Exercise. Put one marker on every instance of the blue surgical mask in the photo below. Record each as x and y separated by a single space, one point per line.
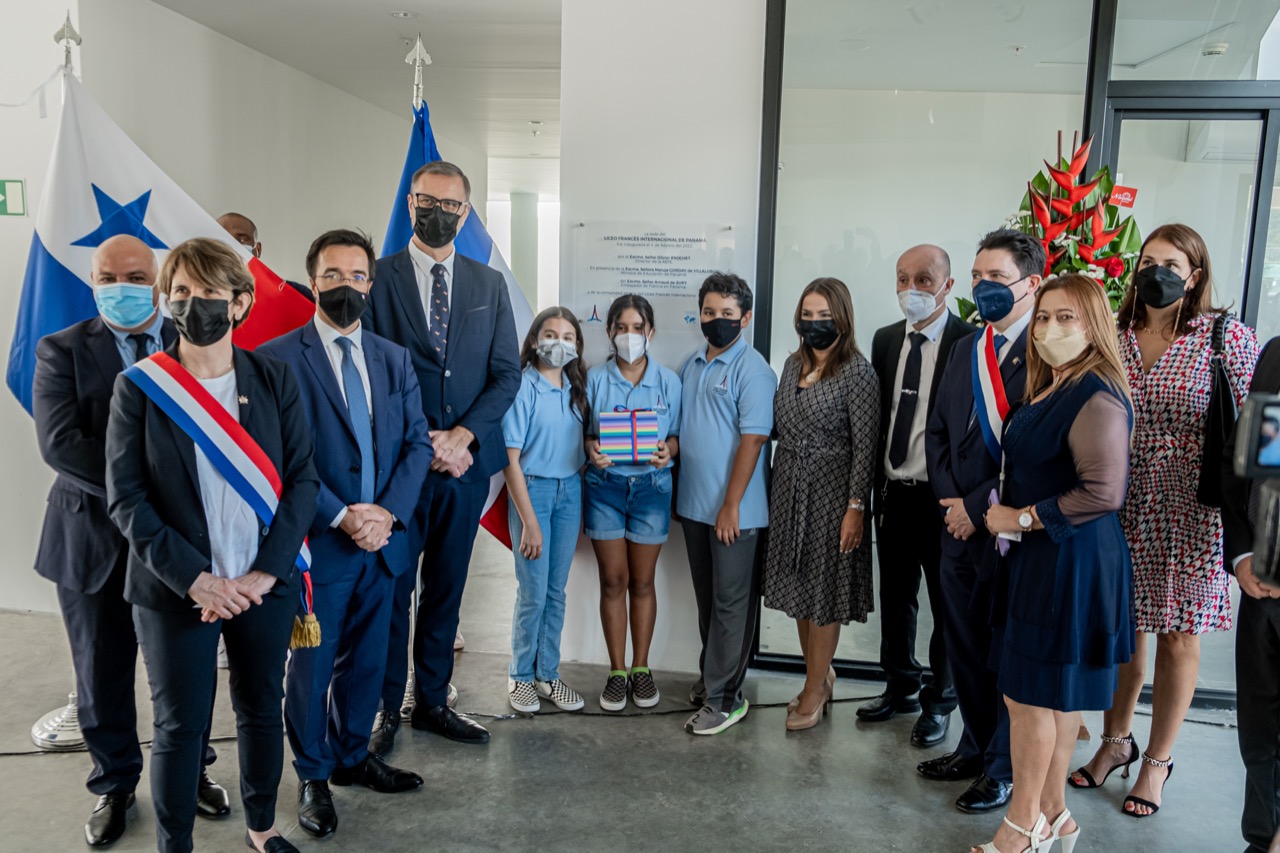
125 305
994 300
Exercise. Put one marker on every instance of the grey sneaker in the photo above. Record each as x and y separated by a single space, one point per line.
562 695
708 721
643 691
614 695
522 696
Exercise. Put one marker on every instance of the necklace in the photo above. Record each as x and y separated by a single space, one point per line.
222 372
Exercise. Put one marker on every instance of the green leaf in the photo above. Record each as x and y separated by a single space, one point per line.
1041 182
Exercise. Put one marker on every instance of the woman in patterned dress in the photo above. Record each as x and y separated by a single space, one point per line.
1180 588
826 415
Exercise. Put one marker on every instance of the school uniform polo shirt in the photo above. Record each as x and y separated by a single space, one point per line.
544 425
658 391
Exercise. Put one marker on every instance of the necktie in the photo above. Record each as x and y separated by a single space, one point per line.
358 406
907 401
439 311
140 342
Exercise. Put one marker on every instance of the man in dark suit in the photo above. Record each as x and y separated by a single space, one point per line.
908 528
372 454
964 471
81 550
454 316
1257 638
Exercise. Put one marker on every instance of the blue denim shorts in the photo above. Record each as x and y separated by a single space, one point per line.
636 507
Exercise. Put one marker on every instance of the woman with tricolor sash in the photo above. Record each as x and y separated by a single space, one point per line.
210 478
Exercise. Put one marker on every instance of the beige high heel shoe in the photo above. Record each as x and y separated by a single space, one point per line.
831 686
798 722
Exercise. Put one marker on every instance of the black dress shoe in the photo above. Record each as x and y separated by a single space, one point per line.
930 729
984 795
885 707
383 739
951 767
315 808
446 722
107 821
376 775
275 844
211 798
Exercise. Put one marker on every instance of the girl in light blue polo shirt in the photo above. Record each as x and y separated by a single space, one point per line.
544 437
628 506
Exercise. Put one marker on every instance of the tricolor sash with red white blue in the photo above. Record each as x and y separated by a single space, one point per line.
229 447
990 403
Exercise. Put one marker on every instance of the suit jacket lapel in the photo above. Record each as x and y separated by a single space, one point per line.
460 302
168 333
375 366
951 332
313 351
106 356
404 283
1016 360
892 357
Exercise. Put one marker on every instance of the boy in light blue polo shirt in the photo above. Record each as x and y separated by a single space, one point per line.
726 418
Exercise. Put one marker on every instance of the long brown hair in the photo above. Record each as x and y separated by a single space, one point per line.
576 370
1103 355
1197 301
841 305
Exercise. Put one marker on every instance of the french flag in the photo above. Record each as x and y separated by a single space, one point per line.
473 242
101 184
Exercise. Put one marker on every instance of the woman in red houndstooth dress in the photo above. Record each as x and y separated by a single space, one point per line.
1181 589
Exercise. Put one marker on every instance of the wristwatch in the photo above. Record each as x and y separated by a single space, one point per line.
1026 520
854 503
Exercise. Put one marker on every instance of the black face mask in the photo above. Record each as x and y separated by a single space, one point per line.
1159 287
200 321
818 334
435 227
721 331
344 305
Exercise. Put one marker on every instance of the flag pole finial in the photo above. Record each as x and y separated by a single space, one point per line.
418 57
66 36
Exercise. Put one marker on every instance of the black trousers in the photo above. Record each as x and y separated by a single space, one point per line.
967 597
1258 717
908 544
181 656
449 515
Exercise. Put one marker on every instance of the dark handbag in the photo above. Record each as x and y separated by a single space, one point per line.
1218 423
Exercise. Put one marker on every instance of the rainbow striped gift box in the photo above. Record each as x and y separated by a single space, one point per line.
629 436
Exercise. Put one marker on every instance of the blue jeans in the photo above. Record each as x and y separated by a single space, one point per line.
539 613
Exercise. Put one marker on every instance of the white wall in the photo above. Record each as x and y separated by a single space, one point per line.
236 129
660 115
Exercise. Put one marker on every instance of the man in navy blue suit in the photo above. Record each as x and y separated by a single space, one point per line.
454 316
962 448
81 549
372 454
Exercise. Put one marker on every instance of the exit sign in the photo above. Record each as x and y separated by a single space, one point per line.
13 198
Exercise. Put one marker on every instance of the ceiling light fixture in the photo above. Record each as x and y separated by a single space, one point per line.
535 124
403 15
1216 49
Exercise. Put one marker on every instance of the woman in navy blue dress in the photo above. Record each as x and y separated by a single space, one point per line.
1065 607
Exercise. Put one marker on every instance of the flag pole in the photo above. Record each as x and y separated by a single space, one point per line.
418 57
67 36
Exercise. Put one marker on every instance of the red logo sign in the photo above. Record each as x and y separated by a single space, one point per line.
1123 196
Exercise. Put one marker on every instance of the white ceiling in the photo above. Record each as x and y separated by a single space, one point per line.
1010 45
495 63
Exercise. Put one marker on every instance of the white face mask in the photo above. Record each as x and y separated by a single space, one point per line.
556 353
1058 346
917 305
630 346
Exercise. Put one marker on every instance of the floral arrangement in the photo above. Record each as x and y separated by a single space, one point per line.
1081 230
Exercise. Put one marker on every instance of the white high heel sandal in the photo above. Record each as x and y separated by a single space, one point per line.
1069 840
1033 835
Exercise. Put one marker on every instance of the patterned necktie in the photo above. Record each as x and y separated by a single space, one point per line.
907 401
439 311
358 406
140 342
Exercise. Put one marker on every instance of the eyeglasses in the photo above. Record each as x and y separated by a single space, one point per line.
334 279
448 205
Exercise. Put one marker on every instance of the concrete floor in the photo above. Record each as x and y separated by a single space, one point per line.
596 782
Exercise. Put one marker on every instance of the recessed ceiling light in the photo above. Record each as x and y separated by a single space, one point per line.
536 123
1216 49
400 13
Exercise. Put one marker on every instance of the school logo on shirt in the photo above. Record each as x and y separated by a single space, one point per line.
723 387
661 407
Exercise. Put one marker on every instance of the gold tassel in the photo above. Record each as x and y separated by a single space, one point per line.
306 632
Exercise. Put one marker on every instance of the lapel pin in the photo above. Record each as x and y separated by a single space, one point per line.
1016 362
244 401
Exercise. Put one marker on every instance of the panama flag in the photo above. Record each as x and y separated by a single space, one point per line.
101 184
472 242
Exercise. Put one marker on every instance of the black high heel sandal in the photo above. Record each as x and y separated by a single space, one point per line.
1090 782
1138 801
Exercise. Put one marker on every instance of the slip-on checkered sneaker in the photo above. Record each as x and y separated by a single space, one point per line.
523 696
643 691
562 695
614 695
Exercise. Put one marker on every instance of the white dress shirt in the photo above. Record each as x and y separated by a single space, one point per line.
1011 334
233 526
915 467
422 264
329 337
